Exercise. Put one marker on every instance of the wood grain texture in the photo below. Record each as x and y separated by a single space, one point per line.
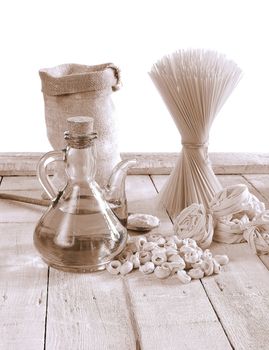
228 180
261 183
23 289
168 315
21 183
149 163
222 163
88 311
11 211
23 276
19 163
174 316
240 296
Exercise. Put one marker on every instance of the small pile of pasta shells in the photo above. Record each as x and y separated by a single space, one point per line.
165 256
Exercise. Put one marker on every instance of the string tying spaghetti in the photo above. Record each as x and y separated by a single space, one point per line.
194 145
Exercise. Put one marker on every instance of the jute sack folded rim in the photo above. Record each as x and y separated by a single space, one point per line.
72 78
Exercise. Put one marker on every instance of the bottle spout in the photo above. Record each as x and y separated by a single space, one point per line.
115 190
116 181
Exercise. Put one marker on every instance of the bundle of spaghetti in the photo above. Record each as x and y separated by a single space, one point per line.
194 85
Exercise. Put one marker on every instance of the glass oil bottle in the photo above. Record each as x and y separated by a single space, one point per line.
79 232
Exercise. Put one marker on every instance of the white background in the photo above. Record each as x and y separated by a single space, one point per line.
133 34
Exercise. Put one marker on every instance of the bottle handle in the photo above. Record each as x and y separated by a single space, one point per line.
42 174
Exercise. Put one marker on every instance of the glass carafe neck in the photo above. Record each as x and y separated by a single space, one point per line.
81 162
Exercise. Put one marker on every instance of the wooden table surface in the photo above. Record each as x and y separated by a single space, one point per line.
42 308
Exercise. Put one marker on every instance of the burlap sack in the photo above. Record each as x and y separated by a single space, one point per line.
80 90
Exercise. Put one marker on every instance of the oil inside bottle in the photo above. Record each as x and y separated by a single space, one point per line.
81 241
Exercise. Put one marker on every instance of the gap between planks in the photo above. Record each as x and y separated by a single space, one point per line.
46 311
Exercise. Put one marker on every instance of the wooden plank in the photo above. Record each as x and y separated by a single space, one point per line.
261 183
11 211
149 163
88 311
174 316
19 163
21 183
168 315
240 294
239 163
23 289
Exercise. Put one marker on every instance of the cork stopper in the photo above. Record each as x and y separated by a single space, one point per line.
80 125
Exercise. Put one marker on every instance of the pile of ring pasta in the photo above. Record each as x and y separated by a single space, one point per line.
165 256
